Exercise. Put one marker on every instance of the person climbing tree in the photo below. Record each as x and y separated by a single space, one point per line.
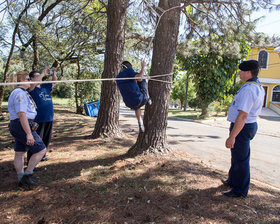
134 91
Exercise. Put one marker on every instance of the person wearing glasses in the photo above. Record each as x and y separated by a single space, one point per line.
22 113
134 91
41 94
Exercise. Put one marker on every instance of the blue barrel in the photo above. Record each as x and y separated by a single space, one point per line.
92 108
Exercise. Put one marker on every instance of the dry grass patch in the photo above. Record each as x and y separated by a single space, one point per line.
93 181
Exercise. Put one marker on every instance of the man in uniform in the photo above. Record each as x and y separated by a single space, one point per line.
134 91
243 113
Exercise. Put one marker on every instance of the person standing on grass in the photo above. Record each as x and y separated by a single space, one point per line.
134 91
243 113
21 114
41 94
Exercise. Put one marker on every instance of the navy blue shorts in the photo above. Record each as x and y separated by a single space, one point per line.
144 90
20 138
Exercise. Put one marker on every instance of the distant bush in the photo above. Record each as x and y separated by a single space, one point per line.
194 103
7 94
63 90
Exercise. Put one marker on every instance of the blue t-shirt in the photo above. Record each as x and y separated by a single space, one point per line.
42 98
130 91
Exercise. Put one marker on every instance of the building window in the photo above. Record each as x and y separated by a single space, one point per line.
263 59
276 94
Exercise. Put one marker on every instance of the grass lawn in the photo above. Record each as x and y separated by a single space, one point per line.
56 100
193 114
188 114
62 101
94 181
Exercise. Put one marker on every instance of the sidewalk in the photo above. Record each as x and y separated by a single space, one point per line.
268 123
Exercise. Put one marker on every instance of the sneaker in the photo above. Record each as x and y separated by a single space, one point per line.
149 102
45 158
141 128
28 180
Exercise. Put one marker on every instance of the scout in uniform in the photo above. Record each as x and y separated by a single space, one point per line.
243 113
22 113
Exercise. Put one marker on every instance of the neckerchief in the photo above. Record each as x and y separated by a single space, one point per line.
30 97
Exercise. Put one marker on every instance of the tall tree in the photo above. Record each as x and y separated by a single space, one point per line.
213 71
16 27
107 123
155 119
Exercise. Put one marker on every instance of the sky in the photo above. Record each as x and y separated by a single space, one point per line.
270 24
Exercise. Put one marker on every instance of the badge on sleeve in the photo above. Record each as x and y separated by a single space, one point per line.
19 99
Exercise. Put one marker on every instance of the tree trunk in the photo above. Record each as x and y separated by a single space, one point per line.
7 66
153 140
204 110
78 108
186 95
107 124
35 52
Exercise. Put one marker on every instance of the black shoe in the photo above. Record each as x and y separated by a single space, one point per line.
28 180
34 170
231 194
225 182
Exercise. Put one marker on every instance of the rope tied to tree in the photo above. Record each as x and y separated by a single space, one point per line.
91 80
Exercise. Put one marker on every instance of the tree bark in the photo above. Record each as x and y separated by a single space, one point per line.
35 52
107 124
79 109
204 111
186 94
153 140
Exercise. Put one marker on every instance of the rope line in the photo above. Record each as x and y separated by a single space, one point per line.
114 79
159 18
92 80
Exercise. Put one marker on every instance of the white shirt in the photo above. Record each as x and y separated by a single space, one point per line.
19 101
249 99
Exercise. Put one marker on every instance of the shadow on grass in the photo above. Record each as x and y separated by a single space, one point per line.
119 189
170 192
6 139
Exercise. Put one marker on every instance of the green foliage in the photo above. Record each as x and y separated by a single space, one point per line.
227 102
70 30
213 73
178 91
16 65
63 90
194 103
89 91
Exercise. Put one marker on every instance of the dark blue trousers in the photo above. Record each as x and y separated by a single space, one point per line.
239 173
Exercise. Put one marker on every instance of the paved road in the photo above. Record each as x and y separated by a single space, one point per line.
206 142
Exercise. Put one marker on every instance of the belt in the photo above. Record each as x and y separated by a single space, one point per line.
17 119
